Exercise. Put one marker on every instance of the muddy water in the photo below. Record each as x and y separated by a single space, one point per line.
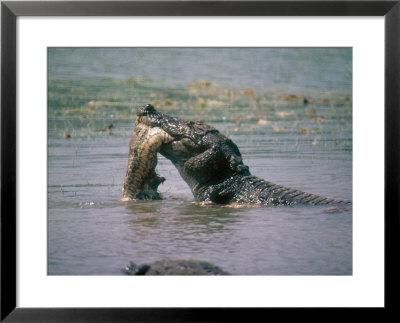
288 110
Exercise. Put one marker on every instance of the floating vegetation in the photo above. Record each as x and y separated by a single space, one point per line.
310 112
306 131
317 120
201 102
202 84
280 129
284 114
262 121
164 103
294 98
96 104
90 106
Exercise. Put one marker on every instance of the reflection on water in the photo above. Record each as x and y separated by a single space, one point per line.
288 110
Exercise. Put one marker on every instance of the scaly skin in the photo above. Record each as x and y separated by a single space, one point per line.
141 180
212 166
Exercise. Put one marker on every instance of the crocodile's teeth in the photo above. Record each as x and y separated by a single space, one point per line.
139 119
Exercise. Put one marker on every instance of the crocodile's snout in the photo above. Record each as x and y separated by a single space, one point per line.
145 110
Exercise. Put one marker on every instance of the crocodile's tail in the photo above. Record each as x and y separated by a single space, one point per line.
273 194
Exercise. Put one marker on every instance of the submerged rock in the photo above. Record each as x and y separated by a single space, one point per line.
175 267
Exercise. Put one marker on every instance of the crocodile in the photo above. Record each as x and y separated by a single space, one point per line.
212 165
141 179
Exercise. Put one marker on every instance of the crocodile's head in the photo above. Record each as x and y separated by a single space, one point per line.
199 151
175 127
188 135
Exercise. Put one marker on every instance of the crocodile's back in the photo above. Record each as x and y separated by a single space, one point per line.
250 189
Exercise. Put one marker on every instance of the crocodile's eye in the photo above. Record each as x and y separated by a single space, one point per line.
149 108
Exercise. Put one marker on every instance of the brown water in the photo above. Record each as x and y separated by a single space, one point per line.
288 110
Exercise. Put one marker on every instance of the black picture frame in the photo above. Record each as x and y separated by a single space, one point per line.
10 10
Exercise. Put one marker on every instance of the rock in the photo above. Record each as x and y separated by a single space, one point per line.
173 266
